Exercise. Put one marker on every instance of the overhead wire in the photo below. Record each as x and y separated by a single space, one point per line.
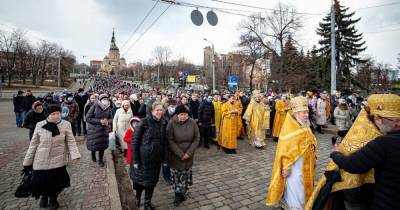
147 29
140 24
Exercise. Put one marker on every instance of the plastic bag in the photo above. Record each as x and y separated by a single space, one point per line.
112 141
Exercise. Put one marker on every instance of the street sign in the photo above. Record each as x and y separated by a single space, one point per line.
197 17
233 81
185 74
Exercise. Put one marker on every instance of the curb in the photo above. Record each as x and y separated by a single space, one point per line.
113 192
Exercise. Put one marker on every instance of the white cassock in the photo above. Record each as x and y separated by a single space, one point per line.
293 197
321 112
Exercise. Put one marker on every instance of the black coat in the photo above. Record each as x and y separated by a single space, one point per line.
81 101
245 102
29 100
381 154
148 151
97 134
135 108
19 103
194 109
142 111
32 118
206 114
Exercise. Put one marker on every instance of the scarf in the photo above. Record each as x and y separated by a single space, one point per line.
52 127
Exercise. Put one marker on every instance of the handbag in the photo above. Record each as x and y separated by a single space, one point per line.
112 141
24 189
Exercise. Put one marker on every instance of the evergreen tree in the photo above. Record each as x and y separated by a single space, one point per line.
349 43
293 68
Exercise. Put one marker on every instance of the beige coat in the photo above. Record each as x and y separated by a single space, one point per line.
47 152
121 124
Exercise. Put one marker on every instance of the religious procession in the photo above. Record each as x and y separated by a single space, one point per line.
160 131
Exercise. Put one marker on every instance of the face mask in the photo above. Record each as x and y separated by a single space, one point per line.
171 110
64 115
70 99
92 100
118 105
81 94
105 102
54 121
209 100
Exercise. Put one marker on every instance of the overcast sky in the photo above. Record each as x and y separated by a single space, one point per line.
85 26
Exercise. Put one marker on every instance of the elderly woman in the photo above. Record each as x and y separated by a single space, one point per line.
148 151
183 138
121 123
51 144
99 122
342 116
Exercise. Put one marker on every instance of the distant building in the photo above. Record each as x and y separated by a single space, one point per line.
112 63
95 64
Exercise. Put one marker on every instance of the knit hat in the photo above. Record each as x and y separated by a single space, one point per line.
53 108
36 104
103 96
181 109
134 120
171 102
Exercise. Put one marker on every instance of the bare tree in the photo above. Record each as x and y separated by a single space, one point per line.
162 55
10 45
47 51
253 51
273 30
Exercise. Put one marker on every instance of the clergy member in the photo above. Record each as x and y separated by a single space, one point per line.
228 134
292 175
281 108
257 120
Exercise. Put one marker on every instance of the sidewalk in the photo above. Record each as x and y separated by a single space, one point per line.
92 187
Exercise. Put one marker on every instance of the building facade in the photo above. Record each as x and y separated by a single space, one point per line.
112 63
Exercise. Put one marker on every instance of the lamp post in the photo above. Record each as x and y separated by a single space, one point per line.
213 63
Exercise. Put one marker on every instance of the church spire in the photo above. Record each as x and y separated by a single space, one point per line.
113 45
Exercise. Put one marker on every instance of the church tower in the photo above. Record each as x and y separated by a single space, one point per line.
112 63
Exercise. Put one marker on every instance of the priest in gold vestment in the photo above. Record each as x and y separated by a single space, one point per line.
292 176
227 137
217 113
281 108
257 120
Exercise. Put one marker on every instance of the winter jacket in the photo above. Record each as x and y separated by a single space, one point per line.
148 151
81 101
97 134
342 119
128 140
142 111
321 112
381 154
245 102
32 118
73 110
121 123
46 152
19 103
29 100
183 137
135 108
206 114
86 109
194 109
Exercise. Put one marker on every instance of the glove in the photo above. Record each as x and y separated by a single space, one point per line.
27 169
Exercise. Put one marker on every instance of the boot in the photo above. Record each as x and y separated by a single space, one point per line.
101 163
93 157
177 200
147 205
137 202
44 201
53 204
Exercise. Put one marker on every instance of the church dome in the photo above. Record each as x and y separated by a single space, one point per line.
123 59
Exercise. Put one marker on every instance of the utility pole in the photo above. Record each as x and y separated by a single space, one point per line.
333 50
59 72
213 64
158 74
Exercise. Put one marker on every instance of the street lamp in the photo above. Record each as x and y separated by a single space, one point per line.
213 64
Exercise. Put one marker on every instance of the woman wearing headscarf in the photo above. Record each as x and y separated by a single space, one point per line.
99 122
183 139
35 115
148 152
121 123
51 146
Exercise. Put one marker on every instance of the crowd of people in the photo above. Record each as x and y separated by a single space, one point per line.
160 130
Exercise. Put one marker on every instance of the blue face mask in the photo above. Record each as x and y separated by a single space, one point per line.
171 110
209 100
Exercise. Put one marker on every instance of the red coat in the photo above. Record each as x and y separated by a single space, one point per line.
128 139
